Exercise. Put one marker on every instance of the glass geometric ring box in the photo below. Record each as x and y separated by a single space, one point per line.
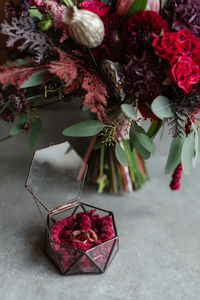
80 238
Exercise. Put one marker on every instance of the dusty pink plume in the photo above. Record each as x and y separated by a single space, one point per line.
153 5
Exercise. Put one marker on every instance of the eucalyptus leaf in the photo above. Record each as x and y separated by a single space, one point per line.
136 5
17 127
132 138
162 107
145 154
37 99
35 80
196 143
162 130
188 152
174 156
34 133
146 142
121 155
85 128
132 134
138 128
129 111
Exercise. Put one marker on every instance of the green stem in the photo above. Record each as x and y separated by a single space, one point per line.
101 171
131 167
6 138
5 106
102 160
154 128
114 188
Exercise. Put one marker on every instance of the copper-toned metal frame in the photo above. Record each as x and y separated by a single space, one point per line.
76 206
62 208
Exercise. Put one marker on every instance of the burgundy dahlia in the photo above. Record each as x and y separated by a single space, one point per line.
182 14
112 47
139 30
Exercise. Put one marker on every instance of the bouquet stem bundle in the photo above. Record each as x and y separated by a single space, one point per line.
107 173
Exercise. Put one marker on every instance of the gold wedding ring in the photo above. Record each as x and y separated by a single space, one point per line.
90 235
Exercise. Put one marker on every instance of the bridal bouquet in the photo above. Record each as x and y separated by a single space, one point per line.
127 60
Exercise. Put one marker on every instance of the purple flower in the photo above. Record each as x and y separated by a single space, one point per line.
182 14
143 77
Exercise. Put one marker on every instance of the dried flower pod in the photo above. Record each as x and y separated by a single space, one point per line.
110 71
84 26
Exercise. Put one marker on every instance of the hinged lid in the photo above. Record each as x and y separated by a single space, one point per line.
53 176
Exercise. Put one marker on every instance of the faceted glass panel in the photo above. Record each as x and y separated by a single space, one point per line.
101 253
83 265
94 260
53 175
64 257
113 252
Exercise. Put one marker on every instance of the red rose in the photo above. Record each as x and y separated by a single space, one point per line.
166 46
185 72
97 7
189 45
174 44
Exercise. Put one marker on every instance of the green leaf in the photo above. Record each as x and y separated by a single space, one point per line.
174 156
145 154
34 12
146 142
132 134
129 111
35 100
121 155
153 129
17 127
188 152
132 138
138 128
35 79
162 107
85 128
4 106
34 133
162 130
196 143
136 5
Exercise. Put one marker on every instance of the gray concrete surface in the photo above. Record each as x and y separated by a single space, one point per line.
159 257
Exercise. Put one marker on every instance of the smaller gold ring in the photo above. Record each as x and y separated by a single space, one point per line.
77 232
94 235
